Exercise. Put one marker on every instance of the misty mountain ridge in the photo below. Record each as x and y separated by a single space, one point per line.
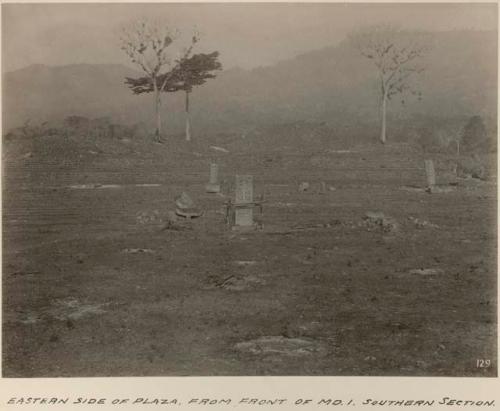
334 85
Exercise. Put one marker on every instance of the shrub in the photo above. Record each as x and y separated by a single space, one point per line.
475 136
76 122
472 166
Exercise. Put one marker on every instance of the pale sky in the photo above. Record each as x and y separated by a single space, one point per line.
246 34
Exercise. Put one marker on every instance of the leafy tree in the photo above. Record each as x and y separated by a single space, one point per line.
396 55
191 72
147 45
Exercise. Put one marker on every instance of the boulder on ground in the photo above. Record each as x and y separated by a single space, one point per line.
184 201
185 207
304 186
376 219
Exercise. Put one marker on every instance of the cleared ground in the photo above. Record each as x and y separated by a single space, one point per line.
97 283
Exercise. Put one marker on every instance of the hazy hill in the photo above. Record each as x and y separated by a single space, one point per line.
334 85
43 93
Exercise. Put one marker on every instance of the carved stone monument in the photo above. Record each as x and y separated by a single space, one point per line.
213 185
243 212
430 173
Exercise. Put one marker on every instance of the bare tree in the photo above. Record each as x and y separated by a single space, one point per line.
147 45
397 56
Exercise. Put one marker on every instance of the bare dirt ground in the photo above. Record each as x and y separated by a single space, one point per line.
97 283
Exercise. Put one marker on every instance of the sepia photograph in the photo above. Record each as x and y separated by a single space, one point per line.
249 189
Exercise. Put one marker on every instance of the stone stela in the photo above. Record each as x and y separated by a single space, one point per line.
213 185
430 173
239 214
243 213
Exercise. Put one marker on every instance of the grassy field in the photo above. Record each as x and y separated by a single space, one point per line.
96 282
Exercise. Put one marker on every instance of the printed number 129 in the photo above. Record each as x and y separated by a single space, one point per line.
483 363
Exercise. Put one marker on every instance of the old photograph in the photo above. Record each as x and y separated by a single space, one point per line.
249 189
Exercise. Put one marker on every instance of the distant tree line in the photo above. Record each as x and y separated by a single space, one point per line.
397 55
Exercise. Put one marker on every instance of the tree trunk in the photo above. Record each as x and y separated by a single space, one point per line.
384 110
188 130
158 114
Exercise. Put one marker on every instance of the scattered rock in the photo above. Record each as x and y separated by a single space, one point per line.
331 188
184 202
427 271
422 223
307 328
421 364
93 186
148 217
71 308
305 261
25 273
192 213
213 188
221 149
242 283
171 217
413 189
377 220
274 229
173 223
172 226
304 186
245 263
280 204
322 188
374 215
137 250
233 282
282 345
186 207
109 186
29 318
472 167
84 186
440 189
